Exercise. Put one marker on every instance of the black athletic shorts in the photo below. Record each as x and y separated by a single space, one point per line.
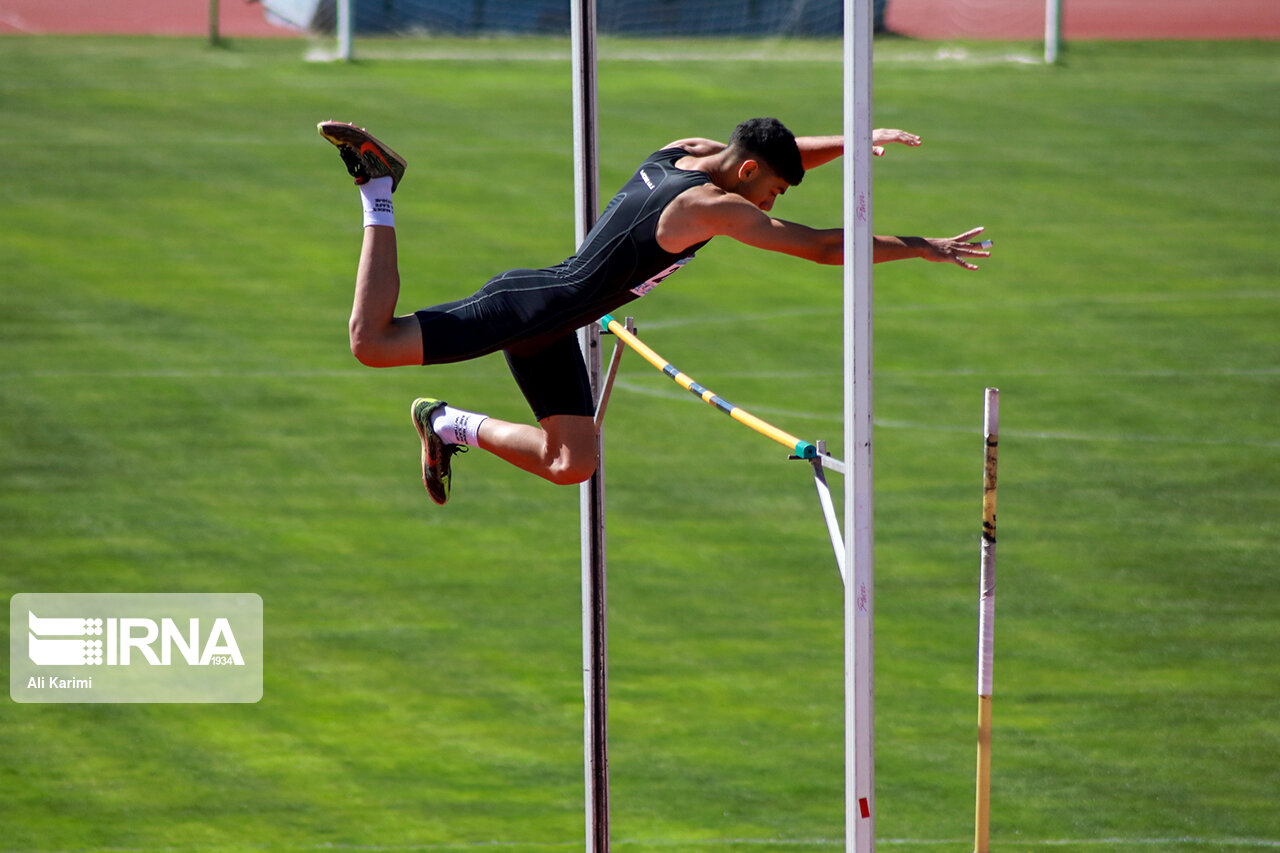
532 317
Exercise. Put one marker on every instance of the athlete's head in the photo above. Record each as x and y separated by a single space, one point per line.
765 161
769 141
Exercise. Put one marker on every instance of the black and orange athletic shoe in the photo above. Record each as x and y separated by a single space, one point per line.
365 156
437 473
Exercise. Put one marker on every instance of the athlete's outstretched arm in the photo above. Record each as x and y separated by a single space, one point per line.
710 213
826 245
816 150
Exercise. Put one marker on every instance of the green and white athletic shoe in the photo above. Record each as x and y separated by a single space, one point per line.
365 156
437 471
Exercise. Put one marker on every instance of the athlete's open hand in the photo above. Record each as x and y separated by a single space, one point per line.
957 250
881 137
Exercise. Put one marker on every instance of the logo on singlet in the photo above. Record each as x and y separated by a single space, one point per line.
644 176
645 287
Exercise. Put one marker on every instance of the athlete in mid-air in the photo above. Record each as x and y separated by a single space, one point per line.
681 196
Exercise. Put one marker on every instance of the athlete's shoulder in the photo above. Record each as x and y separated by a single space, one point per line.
666 156
705 211
661 169
704 195
696 146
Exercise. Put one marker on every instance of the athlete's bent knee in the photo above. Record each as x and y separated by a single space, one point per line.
370 356
364 345
569 472
375 348
364 353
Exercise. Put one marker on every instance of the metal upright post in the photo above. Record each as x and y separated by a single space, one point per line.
1052 30
859 597
344 25
591 496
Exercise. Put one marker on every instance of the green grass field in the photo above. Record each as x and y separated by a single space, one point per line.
180 413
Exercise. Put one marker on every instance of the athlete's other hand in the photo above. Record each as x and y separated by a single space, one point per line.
958 249
881 136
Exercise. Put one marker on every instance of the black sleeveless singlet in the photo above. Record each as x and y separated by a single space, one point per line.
525 311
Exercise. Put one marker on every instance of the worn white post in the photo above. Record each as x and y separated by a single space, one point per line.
859 596
595 645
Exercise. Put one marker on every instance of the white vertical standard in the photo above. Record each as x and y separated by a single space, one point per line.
595 642
1052 29
344 30
986 617
858 589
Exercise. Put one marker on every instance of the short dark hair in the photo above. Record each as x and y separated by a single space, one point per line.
769 140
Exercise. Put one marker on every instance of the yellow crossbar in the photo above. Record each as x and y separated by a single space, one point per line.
799 447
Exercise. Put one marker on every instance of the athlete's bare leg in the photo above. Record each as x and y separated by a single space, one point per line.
378 337
562 449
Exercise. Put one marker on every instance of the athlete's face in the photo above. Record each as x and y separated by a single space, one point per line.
760 185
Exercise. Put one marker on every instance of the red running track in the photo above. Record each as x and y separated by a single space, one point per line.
1086 19
236 18
926 19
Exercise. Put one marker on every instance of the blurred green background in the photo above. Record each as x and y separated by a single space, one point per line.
179 412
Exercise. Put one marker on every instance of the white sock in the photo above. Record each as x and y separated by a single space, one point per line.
375 200
455 426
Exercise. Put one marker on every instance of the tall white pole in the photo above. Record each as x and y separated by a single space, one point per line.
858 589
595 642
344 30
1052 29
